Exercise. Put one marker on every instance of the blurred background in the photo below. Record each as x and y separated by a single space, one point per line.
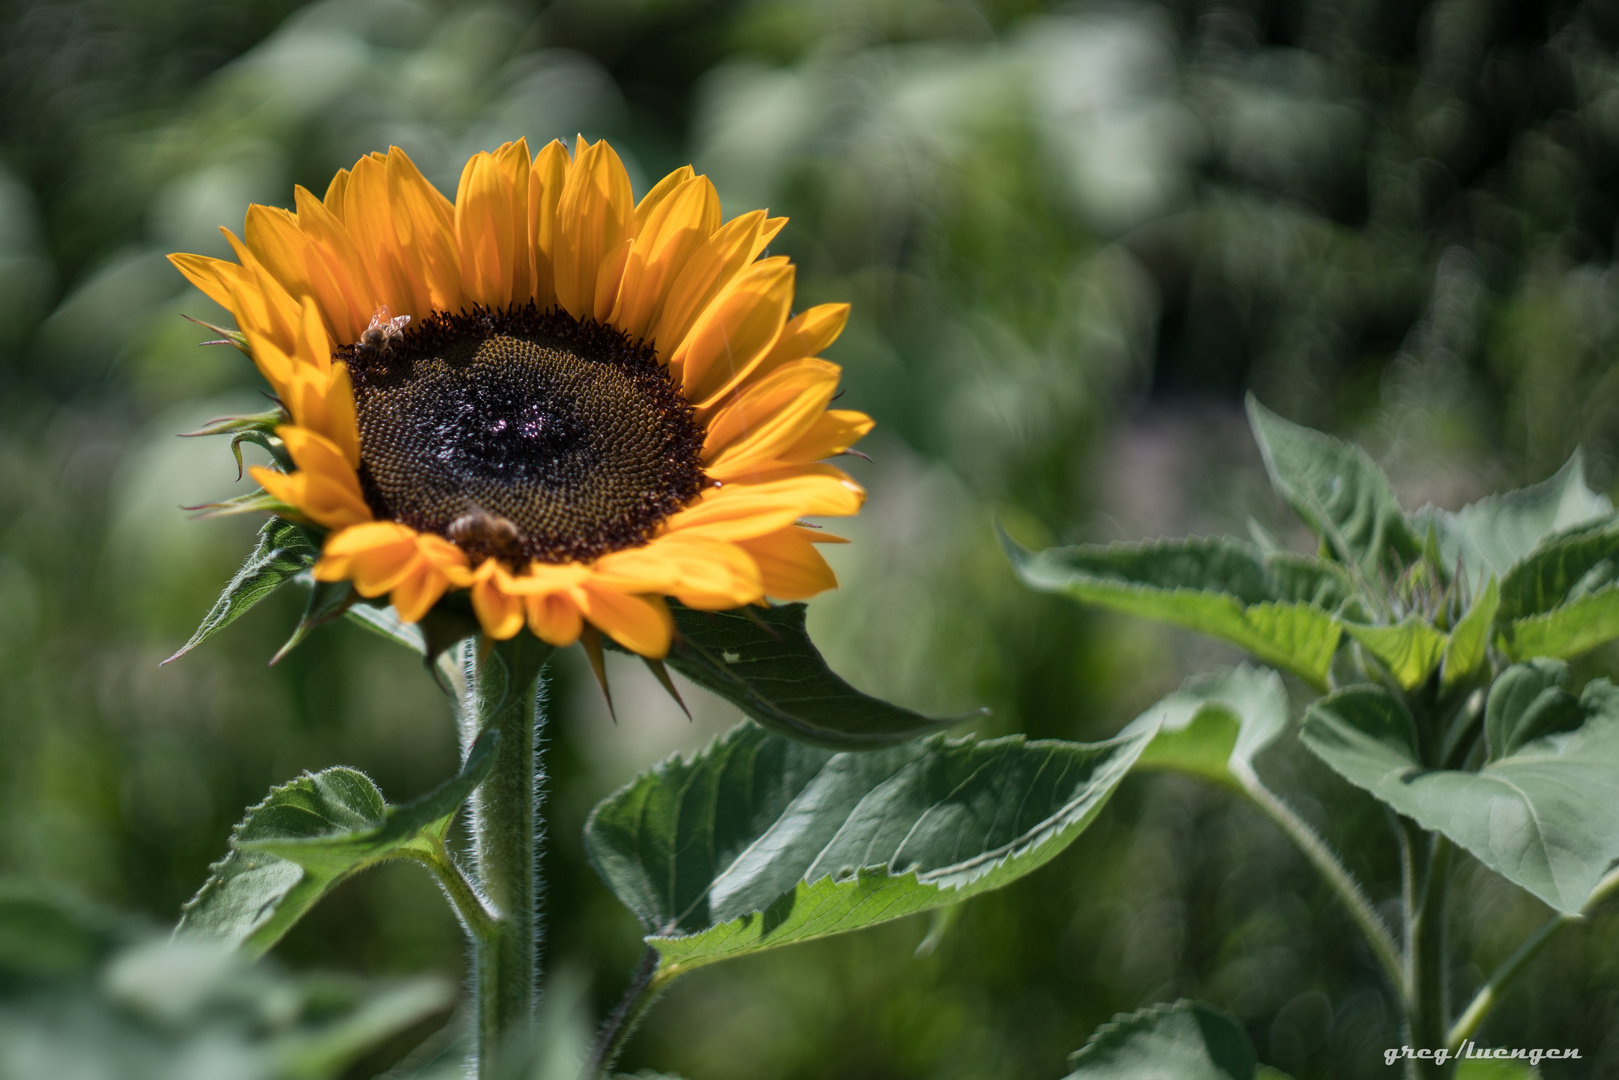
1074 236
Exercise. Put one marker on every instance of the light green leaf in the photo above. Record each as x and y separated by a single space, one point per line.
763 662
761 841
309 835
1213 721
1275 606
1544 814
127 1005
1184 1041
1337 489
1493 534
1564 598
1410 649
284 551
1470 639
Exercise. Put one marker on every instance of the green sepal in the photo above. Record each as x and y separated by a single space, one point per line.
760 841
1184 1041
1543 812
1338 491
284 551
309 835
328 600
763 661
1277 606
254 502
264 423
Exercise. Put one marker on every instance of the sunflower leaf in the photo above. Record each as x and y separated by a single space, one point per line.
1187 1040
309 835
102 997
1544 811
1495 533
764 663
1213 723
1564 597
1275 606
284 551
761 841
1337 489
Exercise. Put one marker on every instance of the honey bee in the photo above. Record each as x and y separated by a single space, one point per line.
384 333
483 535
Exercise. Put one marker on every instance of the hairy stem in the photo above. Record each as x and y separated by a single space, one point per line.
1425 951
476 918
1342 883
1489 995
507 695
626 1016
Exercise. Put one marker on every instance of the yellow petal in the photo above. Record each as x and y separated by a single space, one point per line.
491 226
424 235
554 618
699 570
736 331
660 191
709 269
641 624
547 176
789 565
594 215
334 193
833 432
336 270
499 612
674 230
768 416
805 336
215 277
369 219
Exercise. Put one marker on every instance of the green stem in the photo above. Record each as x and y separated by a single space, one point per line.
476 917
507 695
1489 995
1342 883
1425 952
626 1016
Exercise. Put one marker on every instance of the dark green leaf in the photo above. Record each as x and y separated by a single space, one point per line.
1213 721
1275 606
1564 597
1543 814
762 661
1337 489
761 841
1495 533
284 551
309 835
1184 1041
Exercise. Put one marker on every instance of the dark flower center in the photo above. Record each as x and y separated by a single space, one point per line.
522 434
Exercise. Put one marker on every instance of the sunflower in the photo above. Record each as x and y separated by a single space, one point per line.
568 403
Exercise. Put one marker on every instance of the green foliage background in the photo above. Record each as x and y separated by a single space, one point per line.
1073 236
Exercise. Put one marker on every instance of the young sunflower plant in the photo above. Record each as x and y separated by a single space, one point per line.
545 413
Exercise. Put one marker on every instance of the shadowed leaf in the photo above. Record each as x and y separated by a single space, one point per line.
1184 1041
1543 814
765 664
761 841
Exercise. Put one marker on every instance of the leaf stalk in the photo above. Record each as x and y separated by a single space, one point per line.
1337 877
626 1016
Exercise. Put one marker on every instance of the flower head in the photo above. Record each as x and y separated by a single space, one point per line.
568 403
